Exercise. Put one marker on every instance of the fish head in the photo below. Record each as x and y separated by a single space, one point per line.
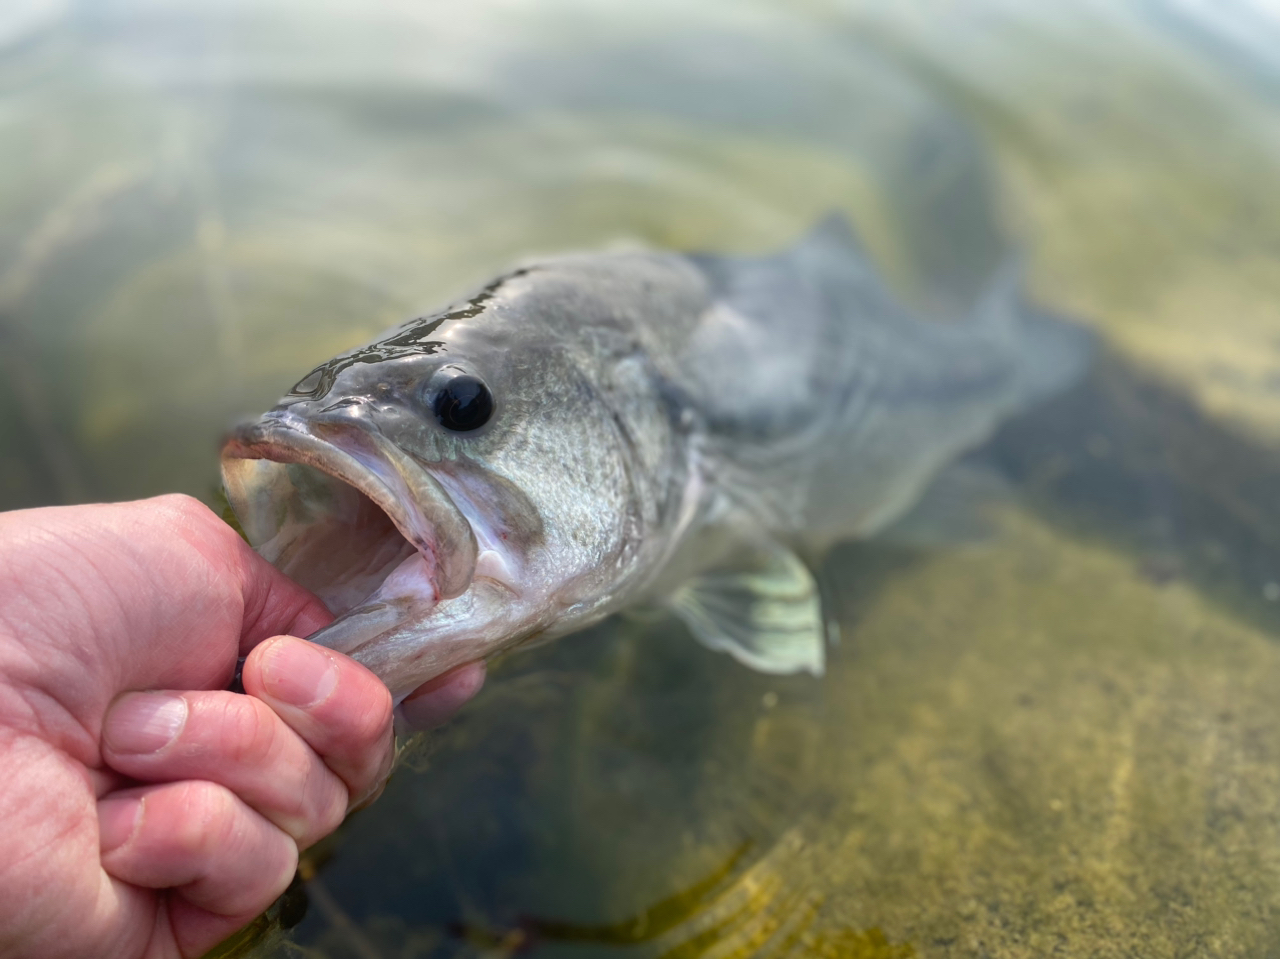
461 484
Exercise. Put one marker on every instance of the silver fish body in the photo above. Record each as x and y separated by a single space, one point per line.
660 427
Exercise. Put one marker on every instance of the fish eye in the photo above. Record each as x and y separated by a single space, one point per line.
462 403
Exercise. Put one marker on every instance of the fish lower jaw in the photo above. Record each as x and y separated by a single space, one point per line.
406 634
406 646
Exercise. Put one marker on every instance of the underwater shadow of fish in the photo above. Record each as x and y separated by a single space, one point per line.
1120 457
1129 460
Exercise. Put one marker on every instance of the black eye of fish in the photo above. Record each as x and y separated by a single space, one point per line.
463 404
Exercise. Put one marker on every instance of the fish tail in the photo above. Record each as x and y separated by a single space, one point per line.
1054 354
1051 353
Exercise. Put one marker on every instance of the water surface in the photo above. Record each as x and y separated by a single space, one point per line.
1050 727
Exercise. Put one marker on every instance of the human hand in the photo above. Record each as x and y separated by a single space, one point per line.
148 812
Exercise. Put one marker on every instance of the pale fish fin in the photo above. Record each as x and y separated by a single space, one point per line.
765 611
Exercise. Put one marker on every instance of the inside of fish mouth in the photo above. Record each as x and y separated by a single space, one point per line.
330 537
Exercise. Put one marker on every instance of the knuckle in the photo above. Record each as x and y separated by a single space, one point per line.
286 857
246 888
190 514
322 804
191 519
183 505
371 723
328 825
366 778
245 729
209 819
334 810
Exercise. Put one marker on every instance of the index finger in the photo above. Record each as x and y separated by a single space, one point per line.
274 604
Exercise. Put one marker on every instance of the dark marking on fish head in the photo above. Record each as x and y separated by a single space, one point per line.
416 337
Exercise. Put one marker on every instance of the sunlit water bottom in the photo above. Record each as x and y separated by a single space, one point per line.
1049 726
1049 731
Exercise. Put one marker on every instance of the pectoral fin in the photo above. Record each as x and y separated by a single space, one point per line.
764 610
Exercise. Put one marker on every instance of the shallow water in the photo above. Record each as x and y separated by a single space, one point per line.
1050 725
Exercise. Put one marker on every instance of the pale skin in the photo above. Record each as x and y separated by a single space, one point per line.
146 811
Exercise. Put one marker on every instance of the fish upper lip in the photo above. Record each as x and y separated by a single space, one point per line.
361 456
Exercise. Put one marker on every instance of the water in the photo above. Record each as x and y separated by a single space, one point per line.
1051 724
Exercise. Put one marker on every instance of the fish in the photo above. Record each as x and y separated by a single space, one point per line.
595 431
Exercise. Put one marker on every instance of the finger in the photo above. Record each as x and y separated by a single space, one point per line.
434 702
235 741
106 780
198 839
273 604
195 931
156 594
337 706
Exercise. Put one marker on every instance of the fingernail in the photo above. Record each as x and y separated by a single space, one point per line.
117 821
298 673
142 723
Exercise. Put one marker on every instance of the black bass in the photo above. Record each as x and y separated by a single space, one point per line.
593 431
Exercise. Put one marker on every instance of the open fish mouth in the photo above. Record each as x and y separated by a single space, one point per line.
346 513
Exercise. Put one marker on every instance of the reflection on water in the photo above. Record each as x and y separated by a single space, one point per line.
1050 725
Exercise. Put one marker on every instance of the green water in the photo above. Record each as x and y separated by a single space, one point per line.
1051 726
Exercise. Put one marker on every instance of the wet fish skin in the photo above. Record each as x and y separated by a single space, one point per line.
574 488
665 427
